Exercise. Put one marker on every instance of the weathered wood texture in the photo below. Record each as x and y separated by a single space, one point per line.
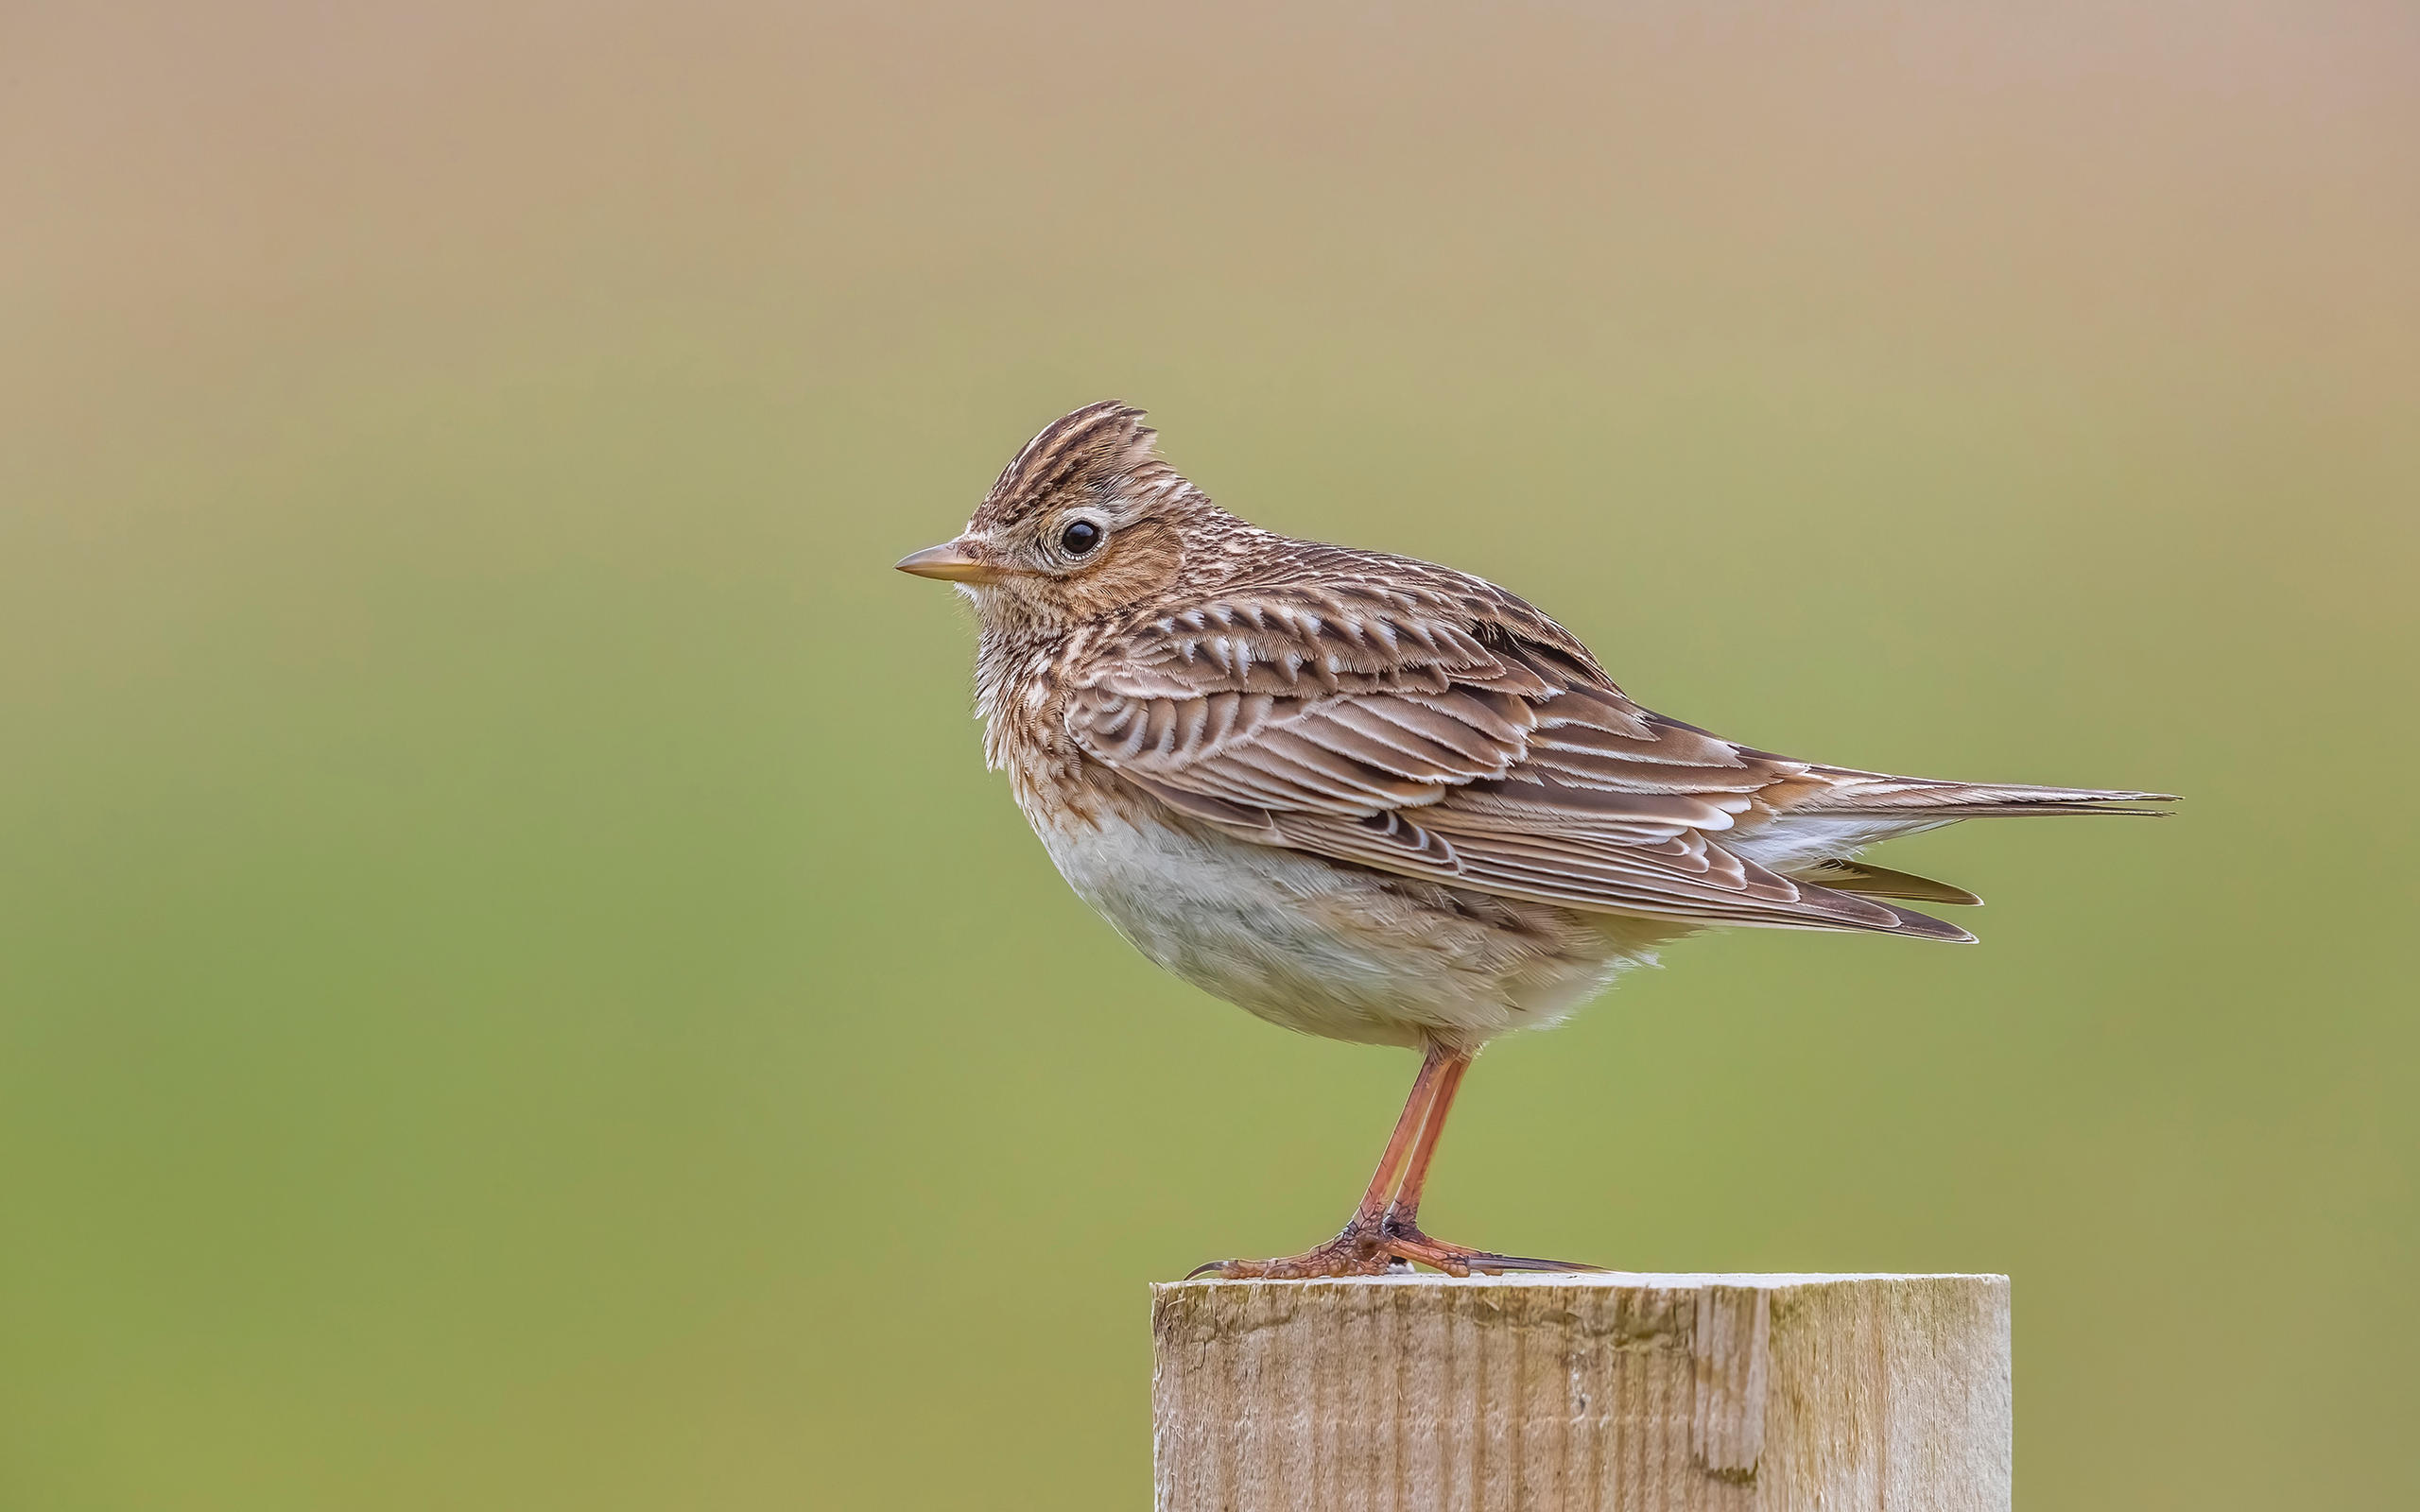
1641 1392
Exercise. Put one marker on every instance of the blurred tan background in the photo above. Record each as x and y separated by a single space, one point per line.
516 991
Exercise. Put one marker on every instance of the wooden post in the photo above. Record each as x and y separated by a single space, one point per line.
1570 1393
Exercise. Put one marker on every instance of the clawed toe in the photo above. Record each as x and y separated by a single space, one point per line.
1407 1243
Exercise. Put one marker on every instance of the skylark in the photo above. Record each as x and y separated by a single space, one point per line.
1372 799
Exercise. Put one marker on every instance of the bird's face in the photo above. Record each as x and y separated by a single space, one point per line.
1079 559
1084 522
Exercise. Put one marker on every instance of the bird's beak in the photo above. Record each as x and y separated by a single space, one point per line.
951 562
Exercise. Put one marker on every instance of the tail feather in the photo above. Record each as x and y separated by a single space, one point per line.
1870 881
1850 792
1924 926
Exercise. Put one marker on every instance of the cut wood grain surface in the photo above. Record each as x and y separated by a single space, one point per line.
1636 1392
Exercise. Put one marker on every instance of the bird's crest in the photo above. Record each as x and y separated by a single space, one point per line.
1087 449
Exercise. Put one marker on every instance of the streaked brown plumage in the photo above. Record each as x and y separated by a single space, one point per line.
1376 799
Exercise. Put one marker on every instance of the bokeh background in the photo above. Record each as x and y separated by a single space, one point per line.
516 991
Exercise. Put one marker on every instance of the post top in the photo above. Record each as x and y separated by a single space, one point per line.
1559 1391
1618 1279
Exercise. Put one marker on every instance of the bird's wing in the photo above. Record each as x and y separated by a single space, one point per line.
1442 728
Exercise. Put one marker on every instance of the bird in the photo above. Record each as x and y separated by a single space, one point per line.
1380 801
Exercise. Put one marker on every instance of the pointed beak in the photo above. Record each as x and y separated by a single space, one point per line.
950 562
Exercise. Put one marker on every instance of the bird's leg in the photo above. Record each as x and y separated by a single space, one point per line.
1357 1250
1403 1215
1400 1232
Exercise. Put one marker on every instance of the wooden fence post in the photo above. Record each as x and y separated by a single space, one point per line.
1574 1392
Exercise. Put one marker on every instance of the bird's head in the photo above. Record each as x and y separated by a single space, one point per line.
1086 520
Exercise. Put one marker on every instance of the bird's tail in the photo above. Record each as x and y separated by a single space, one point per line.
1818 830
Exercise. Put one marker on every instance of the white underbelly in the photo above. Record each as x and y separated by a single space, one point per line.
1337 952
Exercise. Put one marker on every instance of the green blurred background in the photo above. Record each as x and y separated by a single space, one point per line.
516 991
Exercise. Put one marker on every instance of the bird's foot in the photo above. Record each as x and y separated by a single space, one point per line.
1375 1250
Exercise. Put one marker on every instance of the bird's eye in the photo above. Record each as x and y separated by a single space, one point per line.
1079 538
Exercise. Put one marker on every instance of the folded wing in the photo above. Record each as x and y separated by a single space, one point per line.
1439 728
